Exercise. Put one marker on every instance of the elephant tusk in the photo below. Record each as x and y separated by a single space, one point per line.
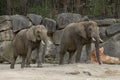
93 39
42 42
101 41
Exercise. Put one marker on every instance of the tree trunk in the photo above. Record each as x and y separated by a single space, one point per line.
77 6
10 7
25 7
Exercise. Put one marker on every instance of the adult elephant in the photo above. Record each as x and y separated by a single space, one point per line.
75 36
27 40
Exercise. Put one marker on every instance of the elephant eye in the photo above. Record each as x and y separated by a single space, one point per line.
38 32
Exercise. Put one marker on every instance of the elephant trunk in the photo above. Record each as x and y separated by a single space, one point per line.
44 49
97 42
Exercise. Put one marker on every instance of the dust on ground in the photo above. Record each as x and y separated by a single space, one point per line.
61 72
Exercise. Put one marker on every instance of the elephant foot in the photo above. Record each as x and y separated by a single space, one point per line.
11 67
22 66
28 66
77 61
70 62
39 66
60 63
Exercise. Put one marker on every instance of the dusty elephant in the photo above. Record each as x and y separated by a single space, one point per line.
27 40
75 36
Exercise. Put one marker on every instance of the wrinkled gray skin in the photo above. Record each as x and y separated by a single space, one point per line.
26 41
75 36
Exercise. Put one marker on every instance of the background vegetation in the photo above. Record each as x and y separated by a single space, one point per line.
49 8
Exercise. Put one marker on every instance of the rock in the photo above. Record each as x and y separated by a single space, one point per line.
6 51
35 19
6 32
19 22
106 22
49 56
6 25
102 34
4 18
7 35
50 24
118 20
66 18
57 37
85 18
112 46
113 29
84 54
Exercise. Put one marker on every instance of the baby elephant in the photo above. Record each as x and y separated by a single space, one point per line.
27 40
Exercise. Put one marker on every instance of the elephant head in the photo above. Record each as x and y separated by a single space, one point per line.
37 33
92 33
92 30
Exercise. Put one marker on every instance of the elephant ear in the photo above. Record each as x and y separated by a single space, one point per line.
82 31
30 34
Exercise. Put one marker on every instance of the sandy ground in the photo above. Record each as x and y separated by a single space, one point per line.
61 72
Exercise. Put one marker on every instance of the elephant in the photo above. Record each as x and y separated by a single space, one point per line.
75 36
26 41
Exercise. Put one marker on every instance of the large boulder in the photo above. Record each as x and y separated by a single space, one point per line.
112 46
50 24
7 35
57 36
111 37
35 19
6 51
66 18
113 29
6 32
102 34
19 22
6 25
106 22
109 31
4 18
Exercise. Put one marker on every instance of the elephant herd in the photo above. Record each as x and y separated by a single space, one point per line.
74 37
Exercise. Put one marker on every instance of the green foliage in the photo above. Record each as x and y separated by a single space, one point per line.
43 9
99 6
3 7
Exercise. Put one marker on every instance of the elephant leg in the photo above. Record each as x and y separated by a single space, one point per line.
56 53
88 52
13 62
23 62
62 54
44 52
70 57
39 58
78 53
28 57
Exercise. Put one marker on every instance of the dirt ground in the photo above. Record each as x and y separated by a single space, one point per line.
61 72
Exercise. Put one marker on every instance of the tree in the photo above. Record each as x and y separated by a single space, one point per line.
10 9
